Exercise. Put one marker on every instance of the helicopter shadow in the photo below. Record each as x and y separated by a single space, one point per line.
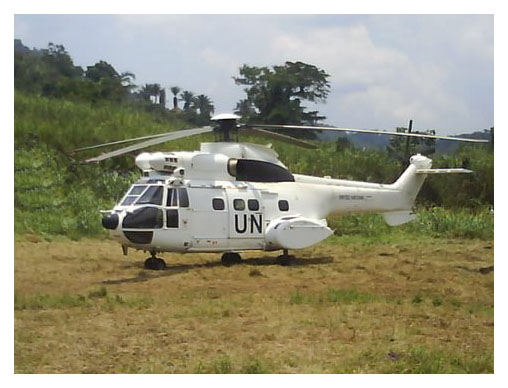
146 275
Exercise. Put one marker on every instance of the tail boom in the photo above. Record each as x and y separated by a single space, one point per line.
395 201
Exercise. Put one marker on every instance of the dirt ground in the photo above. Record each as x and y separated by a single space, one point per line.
412 306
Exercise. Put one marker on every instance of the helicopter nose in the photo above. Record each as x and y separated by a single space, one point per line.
110 221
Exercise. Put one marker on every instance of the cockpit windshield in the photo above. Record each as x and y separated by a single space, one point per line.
137 189
133 194
143 194
129 200
153 195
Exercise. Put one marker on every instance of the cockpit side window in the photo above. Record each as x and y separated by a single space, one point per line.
177 197
172 218
172 198
169 197
184 197
153 195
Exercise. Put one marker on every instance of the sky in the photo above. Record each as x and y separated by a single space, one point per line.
384 69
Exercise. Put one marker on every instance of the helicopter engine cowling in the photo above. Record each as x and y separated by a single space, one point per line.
295 233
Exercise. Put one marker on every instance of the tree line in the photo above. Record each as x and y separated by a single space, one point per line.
51 72
274 94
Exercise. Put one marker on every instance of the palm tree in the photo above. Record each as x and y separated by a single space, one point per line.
188 99
175 90
127 78
151 90
204 105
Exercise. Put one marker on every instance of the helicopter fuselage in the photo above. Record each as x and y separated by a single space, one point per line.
250 204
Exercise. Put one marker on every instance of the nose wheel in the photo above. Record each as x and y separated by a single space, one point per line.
155 263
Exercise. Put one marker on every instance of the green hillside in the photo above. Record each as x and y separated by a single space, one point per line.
66 124
55 195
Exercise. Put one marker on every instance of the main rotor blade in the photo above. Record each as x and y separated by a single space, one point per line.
279 136
118 142
161 139
371 131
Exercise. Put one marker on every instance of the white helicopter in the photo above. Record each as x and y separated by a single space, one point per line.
230 197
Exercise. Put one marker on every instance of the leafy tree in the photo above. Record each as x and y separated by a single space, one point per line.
101 70
41 71
51 72
109 84
60 62
274 95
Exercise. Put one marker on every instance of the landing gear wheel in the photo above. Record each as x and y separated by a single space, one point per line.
285 259
231 258
154 263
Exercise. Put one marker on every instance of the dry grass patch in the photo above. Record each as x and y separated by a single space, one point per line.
345 306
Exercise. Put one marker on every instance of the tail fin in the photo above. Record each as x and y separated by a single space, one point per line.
411 180
410 183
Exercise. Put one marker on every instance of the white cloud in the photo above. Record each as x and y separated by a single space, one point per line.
390 86
347 53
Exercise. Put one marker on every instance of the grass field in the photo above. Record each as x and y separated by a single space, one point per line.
349 305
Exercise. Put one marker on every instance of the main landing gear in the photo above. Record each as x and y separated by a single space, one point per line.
155 263
231 258
286 258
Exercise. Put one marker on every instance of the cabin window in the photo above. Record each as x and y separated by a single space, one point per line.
283 205
143 218
253 204
184 198
172 218
153 195
239 204
218 204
